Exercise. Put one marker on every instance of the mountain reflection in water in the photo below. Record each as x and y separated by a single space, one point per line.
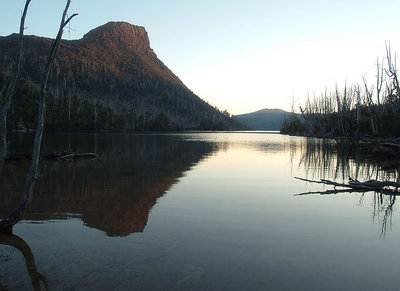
114 193
228 219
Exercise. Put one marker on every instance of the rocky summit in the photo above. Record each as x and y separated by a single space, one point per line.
120 35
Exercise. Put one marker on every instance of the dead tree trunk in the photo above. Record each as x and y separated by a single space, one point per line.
7 223
8 89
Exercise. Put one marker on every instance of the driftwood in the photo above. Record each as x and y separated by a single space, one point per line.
384 187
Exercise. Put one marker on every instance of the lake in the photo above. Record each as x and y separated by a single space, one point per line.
200 211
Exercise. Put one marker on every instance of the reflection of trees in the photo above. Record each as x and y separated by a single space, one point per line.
383 203
18 243
383 210
328 159
114 194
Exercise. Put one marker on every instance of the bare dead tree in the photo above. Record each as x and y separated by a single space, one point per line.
7 223
8 89
357 91
391 70
368 100
380 78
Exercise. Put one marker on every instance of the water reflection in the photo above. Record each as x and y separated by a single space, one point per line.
230 223
21 245
341 160
115 193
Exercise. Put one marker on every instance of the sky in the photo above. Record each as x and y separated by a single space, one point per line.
240 56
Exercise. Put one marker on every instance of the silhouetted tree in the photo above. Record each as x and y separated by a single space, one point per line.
7 223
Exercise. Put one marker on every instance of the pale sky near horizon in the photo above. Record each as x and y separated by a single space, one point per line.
241 56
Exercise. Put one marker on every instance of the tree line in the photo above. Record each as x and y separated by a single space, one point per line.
356 111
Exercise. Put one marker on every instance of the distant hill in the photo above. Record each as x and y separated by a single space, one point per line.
264 119
111 79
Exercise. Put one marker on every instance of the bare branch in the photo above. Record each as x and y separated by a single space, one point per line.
6 100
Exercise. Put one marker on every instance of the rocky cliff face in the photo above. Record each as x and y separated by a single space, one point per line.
109 79
120 35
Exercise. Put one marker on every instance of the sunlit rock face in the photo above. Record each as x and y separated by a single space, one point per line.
120 34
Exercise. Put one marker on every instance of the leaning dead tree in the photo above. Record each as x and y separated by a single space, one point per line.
7 223
8 89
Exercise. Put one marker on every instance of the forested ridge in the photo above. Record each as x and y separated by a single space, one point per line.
109 80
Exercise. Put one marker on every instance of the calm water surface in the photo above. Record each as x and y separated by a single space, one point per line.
200 211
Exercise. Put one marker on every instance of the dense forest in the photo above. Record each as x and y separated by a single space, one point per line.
109 80
356 111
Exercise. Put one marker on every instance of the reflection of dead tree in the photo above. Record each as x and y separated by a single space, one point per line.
380 189
388 214
18 243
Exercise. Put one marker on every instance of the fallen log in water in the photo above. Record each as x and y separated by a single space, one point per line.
385 187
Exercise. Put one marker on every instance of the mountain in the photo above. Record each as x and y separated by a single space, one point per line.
264 119
109 79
